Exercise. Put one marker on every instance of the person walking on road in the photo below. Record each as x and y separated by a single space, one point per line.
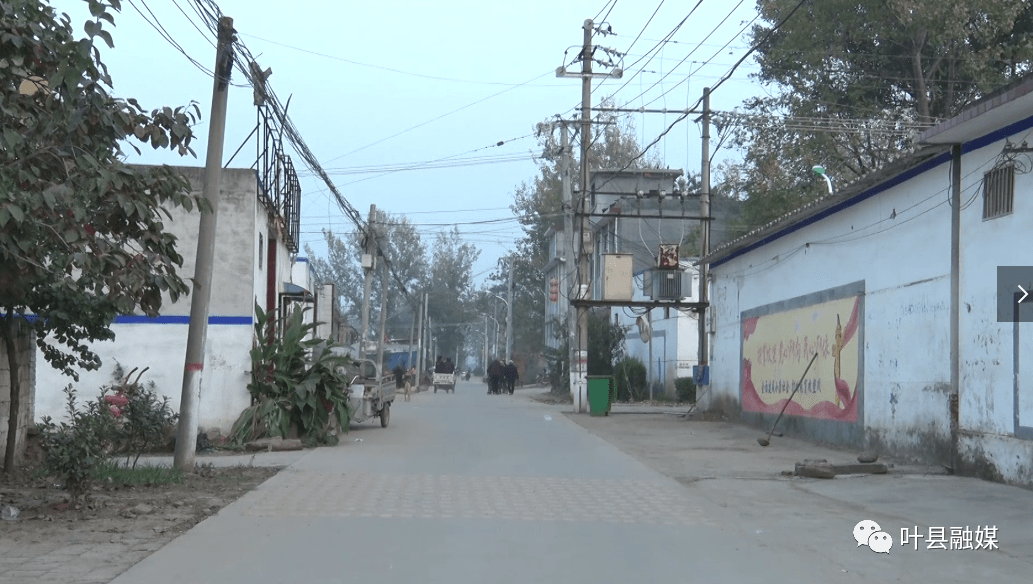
511 375
495 371
400 383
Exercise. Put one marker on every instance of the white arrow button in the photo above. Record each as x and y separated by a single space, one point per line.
1024 294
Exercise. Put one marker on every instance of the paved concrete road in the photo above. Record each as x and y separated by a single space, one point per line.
472 488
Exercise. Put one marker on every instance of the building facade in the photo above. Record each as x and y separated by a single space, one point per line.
884 299
255 262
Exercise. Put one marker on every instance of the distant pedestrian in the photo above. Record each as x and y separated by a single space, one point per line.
495 371
399 373
511 375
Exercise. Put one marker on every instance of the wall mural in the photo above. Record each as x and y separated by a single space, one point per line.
776 349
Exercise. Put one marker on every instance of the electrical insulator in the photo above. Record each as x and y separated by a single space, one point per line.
554 290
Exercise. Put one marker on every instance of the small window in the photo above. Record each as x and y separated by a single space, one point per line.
998 192
260 248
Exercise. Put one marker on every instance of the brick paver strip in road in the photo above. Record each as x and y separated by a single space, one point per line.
473 497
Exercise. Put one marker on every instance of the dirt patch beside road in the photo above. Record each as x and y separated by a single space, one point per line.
53 542
551 398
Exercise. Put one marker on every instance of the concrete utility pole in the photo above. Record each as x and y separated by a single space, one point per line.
381 334
485 344
412 332
584 288
566 162
369 263
509 315
704 212
200 298
424 339
419 346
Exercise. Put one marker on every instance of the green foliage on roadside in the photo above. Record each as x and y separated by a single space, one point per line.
850 85
82 237
294 381
99 432
630 380
605 344
685 389
75 449
112 472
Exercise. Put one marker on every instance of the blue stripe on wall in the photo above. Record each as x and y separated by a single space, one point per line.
138 319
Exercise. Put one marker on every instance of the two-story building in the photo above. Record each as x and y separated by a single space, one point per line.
255 262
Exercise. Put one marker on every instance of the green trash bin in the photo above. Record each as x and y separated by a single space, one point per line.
599 395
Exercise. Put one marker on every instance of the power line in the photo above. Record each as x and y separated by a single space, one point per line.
156 25
439 160
724 78
657 46
391 69
601 10
691 74
420 125
632 45
430 164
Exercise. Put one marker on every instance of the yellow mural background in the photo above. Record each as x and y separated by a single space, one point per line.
783 344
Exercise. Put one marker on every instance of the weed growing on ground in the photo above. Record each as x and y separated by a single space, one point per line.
112 472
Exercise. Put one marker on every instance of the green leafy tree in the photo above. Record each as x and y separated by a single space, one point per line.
407 254
853 82
605 344
450 290
81 232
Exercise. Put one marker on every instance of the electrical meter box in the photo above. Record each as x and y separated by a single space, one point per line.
618 277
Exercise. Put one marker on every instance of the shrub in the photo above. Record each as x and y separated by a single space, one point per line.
144 420
77 448
294 380
685 388
630 379
140 417
129 421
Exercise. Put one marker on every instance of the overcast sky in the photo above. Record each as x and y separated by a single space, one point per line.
393 83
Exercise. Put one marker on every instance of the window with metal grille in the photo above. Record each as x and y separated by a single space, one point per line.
998 192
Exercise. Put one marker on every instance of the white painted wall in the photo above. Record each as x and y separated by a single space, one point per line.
898 243
161 345
987 412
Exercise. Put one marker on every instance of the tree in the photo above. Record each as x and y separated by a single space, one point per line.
407 254
855 81
450 289
81 232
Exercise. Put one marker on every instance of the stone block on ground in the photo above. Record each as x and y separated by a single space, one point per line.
274 444
867 457
815 470
861 468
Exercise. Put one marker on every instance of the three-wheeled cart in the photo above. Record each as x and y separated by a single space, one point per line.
368 399
445 381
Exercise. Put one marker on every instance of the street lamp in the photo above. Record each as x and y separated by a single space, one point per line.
500 298
820 171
